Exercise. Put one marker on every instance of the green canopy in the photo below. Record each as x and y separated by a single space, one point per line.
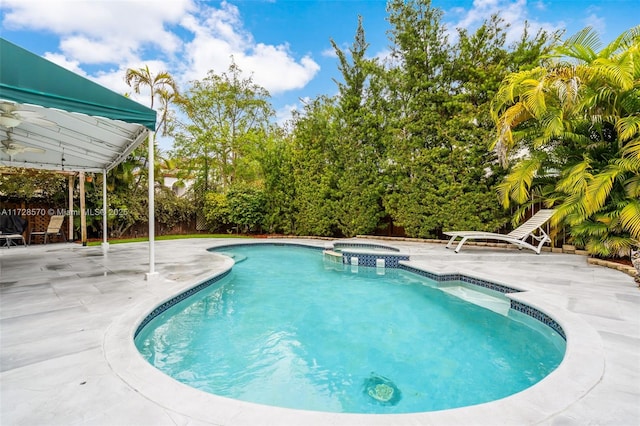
27 78
54 119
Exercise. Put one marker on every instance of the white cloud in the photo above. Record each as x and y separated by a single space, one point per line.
101 31
595 21
540 5
513 12
275 69
221 35
97 51
284 114
329 53
131 33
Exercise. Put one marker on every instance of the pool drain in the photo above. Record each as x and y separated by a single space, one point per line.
382 390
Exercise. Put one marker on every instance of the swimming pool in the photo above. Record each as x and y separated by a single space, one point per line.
394 370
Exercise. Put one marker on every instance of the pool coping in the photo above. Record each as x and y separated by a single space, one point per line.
537 404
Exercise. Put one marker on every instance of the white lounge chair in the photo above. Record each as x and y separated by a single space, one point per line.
531 228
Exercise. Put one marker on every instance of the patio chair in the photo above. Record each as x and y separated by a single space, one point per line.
531 228
54 228
11 229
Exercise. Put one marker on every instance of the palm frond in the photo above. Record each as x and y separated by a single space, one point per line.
513 116
516 184
564 136
628 128
572 211
566 86
619 72
533 97
632 186
589 228
630 218
597 247
618 245
576 178
511 89
138 77
581 46
632 149
563 211
552 123
598 100
516 114
625 41
628 164
629 101
599 188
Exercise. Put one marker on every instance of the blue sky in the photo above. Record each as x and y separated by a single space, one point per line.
283 44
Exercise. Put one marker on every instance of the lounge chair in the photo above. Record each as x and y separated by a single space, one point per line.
531 228
54 228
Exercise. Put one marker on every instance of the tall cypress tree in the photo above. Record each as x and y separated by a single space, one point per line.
444 176
419 81
356 146
313 169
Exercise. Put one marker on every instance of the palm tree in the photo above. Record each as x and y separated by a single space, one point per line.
161 85
570 131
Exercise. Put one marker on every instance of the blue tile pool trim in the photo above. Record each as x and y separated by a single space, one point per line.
460 277
364 259
540 316
391 260
177 299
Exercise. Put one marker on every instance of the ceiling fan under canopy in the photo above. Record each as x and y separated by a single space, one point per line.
12 115
12 148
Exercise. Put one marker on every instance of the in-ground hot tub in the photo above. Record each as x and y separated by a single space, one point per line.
363 254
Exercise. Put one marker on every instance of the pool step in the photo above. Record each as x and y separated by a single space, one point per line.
496 303
237 258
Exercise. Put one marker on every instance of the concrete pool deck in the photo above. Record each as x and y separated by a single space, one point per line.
68 313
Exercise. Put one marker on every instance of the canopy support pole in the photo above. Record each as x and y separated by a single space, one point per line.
105 211
152 274
70 212
83 216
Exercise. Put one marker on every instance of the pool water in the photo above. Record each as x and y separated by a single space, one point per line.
283 329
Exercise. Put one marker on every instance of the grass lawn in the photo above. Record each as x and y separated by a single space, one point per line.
166 237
